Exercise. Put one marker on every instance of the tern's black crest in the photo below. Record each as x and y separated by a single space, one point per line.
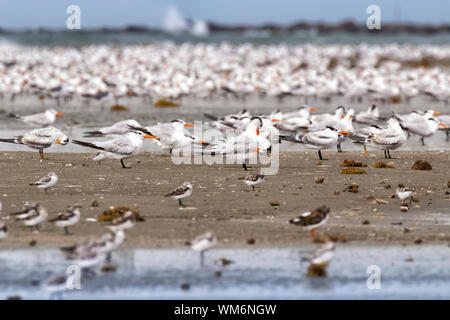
257 118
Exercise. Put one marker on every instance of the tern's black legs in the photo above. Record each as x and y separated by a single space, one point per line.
422 140
245 167
339 149
387 154
123 164
447 133
320 155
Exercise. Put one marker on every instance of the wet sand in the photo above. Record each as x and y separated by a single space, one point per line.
221 202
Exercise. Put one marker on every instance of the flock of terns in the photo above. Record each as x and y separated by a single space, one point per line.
253 134
105 73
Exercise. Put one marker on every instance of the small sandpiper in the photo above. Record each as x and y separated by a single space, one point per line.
183 191
35 216
68 218
203 243
253 179
312 219
405 193
46 182
124 222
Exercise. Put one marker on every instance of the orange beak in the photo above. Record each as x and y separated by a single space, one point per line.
312 109
59 114
148 136
188 125
344 132
349 117
201 141
257 131
58 141
342 116
275 120
442 125
436 113
257 150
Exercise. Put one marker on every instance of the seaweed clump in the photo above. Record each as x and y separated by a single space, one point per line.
315 270
352 163
118 107
421 165
353 170
383 165
165 103
116 212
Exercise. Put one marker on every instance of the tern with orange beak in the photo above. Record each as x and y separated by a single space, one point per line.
170 136
245 146
124 147
40 139
319 140
43 119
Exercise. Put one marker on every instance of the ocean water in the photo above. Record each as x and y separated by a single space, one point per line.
412 272
77 39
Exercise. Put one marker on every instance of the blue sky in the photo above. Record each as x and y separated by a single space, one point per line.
94 13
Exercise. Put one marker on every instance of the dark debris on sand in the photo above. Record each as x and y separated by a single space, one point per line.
421 165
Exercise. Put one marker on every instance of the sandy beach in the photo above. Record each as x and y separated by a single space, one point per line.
223 203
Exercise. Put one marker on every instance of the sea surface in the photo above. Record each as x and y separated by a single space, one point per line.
77 39
412 272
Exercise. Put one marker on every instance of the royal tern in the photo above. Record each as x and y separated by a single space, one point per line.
387 139
312 219
319 140
371 116
245 146
425 128
46 182
170 136
203 243
40 139
117 129
359 136
183 191
44 119
67 218
120 148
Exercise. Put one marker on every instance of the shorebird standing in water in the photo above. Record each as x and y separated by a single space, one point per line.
203 243
183 191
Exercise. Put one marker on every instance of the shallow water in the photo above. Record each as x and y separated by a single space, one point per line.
254 274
